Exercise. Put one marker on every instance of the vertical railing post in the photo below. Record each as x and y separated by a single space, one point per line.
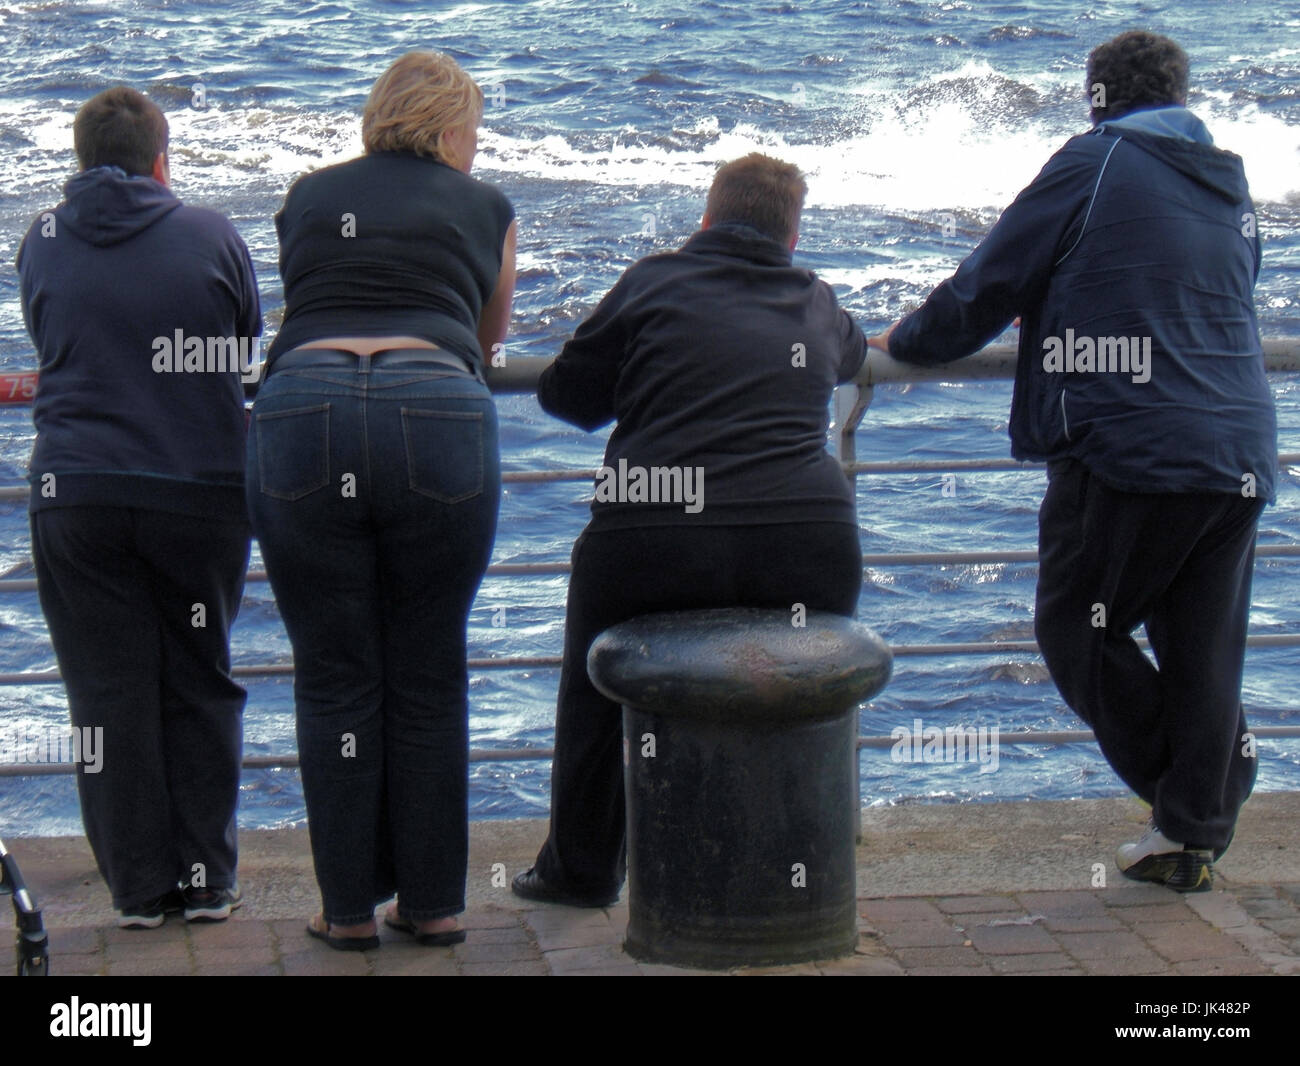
851 403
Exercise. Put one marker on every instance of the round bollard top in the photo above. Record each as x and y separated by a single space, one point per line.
740 662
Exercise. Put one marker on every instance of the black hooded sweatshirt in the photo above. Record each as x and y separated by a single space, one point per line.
718 360
143 312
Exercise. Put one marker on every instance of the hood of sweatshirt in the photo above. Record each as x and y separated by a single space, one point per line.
741 240
105 205
1179 139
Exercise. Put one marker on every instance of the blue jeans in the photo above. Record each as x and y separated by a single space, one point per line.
374 495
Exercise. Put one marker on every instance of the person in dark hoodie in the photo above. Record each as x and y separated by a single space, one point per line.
144 313
1131 261
718 361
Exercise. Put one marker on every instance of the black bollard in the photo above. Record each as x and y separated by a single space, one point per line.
740 742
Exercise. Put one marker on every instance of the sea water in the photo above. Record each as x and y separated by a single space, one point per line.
915 122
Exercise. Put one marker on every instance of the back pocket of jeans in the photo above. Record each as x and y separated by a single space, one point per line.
444 453
293 451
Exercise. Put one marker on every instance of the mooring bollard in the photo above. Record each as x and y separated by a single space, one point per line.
740 736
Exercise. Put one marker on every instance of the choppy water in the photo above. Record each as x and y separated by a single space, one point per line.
604 125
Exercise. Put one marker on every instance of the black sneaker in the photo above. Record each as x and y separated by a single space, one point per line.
212 904
152 914
530 885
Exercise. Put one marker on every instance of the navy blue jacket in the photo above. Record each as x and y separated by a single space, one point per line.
1138 235
107 279
719 357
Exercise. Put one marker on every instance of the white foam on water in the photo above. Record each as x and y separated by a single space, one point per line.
945 155
1268 145
957 152
224 146
952 147
923 272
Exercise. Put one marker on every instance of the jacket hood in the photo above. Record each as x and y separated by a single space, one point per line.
1179 139
739 239
105 205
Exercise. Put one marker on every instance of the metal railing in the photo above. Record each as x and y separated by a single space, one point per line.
520 375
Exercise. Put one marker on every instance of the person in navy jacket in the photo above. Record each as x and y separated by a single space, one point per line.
1130 261
145 316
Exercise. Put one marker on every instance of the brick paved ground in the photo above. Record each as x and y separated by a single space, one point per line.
1000 888
1127 929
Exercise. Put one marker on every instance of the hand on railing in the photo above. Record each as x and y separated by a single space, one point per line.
881 340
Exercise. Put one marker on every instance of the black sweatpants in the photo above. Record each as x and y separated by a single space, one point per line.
140 605
1110 561
619 574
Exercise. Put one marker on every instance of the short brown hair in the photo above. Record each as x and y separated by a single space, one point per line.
1136 70
119 128
760 191
414 100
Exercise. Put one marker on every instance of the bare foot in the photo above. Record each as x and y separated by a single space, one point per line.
343 932
433 925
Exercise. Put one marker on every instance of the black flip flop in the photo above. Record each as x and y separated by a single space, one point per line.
343 943
428 940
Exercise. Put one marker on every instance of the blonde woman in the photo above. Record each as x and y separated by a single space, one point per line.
373 485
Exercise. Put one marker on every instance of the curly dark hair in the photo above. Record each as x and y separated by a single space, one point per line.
1134 71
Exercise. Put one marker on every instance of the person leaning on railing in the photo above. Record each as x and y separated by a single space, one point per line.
373 484
1132 258
718 361
139 530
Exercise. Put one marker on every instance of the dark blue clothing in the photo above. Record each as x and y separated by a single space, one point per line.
389 244
1182 565
374 496
139 529
109 278
373 489
1140 230
721 356
118 587
620 574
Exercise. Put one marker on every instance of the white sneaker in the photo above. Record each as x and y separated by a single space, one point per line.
1167 862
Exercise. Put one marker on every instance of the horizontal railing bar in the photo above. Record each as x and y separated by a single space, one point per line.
521 372
15 493
995 647
290 761
997 361
1263 551
517 662
1085 736
1281 355
52 677
949 466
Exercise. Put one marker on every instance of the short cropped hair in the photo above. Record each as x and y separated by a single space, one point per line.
1136 70
119 128
414 100
760 191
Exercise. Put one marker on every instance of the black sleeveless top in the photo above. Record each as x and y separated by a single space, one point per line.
391 243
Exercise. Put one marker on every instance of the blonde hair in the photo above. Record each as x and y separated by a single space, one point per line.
414 100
